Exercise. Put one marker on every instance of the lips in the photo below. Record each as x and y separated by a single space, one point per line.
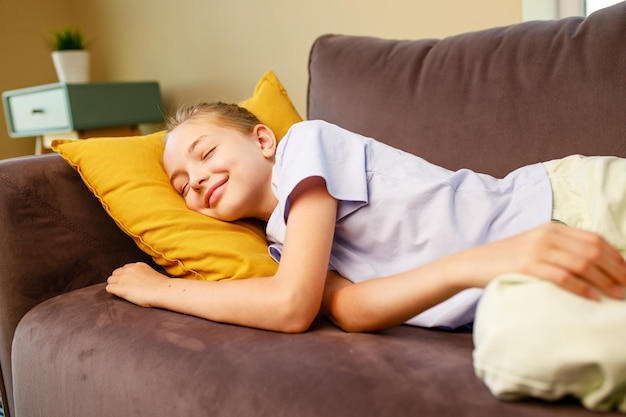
215 192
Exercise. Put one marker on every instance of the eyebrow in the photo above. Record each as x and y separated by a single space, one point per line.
195 143
190 150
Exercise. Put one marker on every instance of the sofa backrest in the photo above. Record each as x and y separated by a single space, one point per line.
491 100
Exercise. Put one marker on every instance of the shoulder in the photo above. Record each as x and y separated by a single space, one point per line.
318 134
307 125
317 148
317 129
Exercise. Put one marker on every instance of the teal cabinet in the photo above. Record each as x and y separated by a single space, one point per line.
51 108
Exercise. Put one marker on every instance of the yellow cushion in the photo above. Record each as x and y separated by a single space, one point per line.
127 176
271 104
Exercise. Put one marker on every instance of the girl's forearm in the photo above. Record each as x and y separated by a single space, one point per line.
271 303
386 302
254 302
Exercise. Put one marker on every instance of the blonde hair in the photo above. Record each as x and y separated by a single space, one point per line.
223 114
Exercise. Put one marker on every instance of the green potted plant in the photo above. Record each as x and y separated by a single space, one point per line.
70 55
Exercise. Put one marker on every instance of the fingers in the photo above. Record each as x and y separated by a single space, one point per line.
118 275
135 282
580 261
136 266
113 280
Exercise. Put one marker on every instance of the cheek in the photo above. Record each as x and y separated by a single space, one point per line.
192 200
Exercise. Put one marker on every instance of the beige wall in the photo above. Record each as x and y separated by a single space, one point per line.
215 49
25 60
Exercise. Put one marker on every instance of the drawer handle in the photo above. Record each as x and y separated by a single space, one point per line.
37 111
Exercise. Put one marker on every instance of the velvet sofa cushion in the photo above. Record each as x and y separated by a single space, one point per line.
99 356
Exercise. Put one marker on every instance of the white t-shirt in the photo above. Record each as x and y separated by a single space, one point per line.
397 211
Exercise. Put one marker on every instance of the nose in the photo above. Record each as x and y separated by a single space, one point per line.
197 182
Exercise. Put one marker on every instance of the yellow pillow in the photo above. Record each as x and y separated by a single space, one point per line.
271 104
127 177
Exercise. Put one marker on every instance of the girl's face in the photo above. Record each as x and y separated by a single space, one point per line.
220 171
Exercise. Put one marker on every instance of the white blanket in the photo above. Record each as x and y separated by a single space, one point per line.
534 339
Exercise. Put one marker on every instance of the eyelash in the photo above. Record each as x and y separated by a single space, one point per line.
208 153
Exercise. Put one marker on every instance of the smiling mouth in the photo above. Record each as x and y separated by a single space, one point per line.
214 193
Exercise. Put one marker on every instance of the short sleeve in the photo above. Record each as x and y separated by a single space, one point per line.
319 149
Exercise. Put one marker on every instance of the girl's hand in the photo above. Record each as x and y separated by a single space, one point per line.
579 261
137 283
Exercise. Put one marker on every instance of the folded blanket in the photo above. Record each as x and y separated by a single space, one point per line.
534 339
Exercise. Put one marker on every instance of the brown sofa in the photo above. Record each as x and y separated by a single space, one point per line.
491 100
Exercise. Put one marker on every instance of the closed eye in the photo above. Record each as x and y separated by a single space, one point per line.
208 153
180 184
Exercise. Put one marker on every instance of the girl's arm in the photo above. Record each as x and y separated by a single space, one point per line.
288 301
579 261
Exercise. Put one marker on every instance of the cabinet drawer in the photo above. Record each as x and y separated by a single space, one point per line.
39 111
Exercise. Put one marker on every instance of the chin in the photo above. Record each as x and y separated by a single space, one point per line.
223 217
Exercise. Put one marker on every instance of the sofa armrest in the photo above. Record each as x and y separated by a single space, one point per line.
56 237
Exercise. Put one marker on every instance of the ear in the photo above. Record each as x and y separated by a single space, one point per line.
265 139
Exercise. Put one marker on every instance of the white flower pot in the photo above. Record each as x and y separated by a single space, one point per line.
72 66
